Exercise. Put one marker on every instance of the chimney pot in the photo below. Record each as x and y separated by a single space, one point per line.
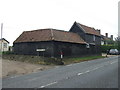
106 34
99 31
111 37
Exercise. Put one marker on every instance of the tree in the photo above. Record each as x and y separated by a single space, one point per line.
117 42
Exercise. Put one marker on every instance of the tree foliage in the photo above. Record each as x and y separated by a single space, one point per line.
111 45
117 42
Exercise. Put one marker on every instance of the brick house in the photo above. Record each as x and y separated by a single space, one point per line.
105 40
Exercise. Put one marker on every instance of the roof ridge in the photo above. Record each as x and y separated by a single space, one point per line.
60 30
81 27
88 29
44 29
5 40
87 26
48 29
36 30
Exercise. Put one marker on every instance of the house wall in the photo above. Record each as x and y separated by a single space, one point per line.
76 29
4 46
73 49
29 48
97 42
90 39
53 49
102 42
87 37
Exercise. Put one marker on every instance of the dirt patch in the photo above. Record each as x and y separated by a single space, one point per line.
33 59
10 68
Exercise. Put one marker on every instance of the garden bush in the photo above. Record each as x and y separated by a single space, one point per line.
107 47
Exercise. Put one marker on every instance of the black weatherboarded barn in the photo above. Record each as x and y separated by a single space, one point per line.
54 42
89 34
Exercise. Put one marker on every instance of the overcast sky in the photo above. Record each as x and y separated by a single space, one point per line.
24 15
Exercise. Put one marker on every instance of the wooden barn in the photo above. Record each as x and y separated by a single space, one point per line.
53 43
90 35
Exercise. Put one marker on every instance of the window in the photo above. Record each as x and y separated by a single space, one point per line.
93 37
5 45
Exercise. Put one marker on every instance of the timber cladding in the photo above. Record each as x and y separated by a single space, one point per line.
54 48
80 40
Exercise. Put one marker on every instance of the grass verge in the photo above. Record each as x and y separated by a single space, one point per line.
80 59
48 61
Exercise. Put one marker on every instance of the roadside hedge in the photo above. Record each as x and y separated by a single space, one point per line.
7 52
107 47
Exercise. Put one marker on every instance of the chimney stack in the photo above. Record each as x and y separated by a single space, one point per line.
106 34
111 37
99 31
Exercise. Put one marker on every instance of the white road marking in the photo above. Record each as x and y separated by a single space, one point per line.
32 79
87 71
79 74
113 62
96 68
83 72
48 84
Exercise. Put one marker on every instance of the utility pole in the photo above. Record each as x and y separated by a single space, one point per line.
1 29
1 38
1 55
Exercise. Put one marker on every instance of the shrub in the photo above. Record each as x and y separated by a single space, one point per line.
107 47
7 52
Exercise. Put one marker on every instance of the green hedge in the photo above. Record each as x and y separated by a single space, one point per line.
7 52
107 47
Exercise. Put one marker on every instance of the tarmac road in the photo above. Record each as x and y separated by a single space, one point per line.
100 73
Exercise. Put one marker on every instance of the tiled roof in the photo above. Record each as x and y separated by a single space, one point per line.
105 38
89 30
3 39
48 35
